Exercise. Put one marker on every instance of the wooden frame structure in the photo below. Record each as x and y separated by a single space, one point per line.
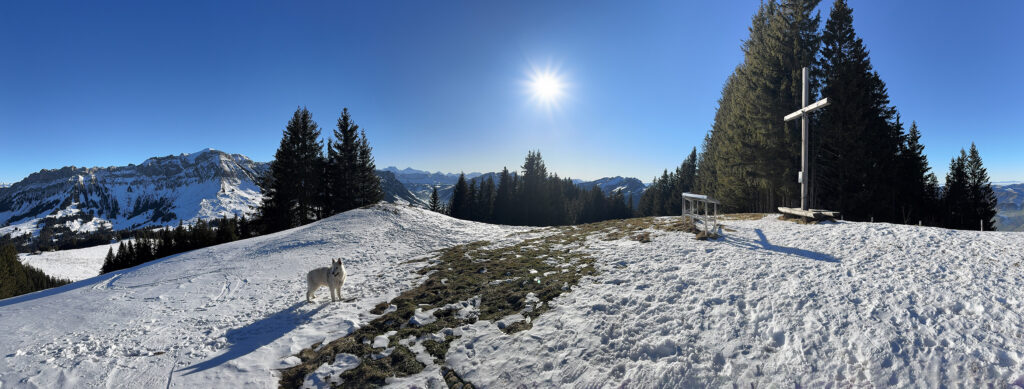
692 204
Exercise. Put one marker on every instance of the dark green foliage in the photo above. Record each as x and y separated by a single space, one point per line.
664 196
147 245
459 206
302 185
17 279
968 198
919 188
859 173
751 156
863 163
435 201
292 188
982 199
537 199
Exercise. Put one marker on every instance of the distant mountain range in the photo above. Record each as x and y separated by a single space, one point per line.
208 184
421 183
1010 208
161 191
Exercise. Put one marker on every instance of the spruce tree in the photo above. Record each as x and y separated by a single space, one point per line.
369 188
292 191
752 156
435 202
860 138
503 198
955 196
980 196
343 174
918 196
458 207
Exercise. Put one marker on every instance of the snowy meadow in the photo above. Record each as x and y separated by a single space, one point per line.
633 303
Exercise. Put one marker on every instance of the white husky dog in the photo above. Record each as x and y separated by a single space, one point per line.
332 277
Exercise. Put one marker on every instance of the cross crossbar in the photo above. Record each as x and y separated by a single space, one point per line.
805 110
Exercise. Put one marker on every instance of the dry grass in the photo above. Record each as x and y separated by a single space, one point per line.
502 277
744 216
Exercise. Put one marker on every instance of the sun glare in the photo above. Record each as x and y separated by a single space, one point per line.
546 87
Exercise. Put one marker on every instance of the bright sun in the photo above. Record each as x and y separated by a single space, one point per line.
547 87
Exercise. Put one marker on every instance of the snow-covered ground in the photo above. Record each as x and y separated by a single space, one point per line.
776 303
224 316
772 302
74 265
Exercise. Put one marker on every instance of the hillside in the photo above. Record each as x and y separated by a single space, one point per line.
771 302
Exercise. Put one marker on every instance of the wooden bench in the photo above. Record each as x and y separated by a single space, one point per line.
816 214
692 204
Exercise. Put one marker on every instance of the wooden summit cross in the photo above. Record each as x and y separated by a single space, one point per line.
802 113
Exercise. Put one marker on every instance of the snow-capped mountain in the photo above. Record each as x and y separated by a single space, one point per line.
160 191
1010 206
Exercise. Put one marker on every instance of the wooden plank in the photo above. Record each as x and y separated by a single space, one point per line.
800 212
817 104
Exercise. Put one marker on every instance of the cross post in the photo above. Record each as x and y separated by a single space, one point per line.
802 113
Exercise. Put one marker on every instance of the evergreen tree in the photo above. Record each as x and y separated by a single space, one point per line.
458 207
343 173
751 156
955 196
370 191
108 262
860 136
534 196
503 200
919 196
980 196
292 191
435 202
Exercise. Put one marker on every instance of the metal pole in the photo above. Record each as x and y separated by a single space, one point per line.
804 177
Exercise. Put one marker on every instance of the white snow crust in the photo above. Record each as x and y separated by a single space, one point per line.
770 304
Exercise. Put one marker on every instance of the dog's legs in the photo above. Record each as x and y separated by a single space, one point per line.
334 297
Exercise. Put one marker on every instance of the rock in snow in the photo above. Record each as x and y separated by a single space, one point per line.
772 303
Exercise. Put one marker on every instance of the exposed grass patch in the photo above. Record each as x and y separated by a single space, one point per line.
438 349
520 278
743 216
643 237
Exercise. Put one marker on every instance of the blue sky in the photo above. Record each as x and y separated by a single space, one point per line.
441 85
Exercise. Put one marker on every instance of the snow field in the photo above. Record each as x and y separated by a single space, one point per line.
74 265
771 303
224 316
775 303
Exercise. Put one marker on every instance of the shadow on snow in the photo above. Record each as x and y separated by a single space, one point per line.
763 243
260 333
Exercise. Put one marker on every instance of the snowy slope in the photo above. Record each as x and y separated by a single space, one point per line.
224 316
74 265
772 302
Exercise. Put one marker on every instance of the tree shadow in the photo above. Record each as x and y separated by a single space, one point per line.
249 338
763 243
